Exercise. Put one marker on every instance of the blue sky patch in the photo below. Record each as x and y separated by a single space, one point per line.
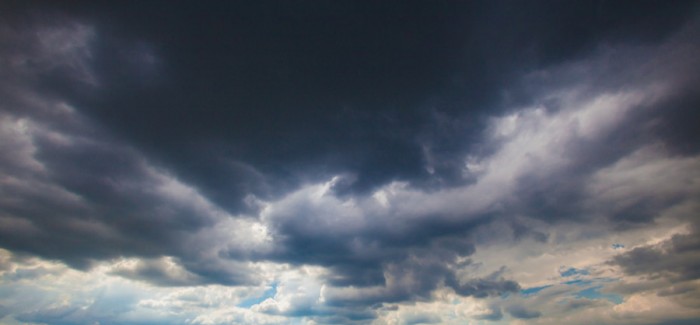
594 293
269 293
578 282
533 290
572 271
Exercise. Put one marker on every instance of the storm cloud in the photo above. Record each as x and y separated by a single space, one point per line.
349 162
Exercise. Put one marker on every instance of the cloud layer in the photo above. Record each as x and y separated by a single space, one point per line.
350 163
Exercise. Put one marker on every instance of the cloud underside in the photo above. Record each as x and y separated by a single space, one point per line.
566 189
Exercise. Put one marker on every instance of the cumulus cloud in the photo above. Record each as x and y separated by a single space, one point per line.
153 169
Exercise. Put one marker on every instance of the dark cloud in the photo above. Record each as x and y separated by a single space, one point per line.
382 142
522 313
162 272
343 87
669 268
71 191
492 285
93 199
675 259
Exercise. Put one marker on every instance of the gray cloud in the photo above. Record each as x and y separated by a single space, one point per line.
201 159
522 313
75 193
675 259
162 271
493 315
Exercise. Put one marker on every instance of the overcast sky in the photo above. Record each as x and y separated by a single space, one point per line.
350 162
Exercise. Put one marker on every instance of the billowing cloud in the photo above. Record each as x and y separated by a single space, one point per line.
350 163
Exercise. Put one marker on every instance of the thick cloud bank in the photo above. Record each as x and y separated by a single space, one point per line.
347 162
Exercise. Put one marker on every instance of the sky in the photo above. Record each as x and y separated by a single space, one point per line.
350 162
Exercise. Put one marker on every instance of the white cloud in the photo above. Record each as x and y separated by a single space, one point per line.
41 291
648 174
297 289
